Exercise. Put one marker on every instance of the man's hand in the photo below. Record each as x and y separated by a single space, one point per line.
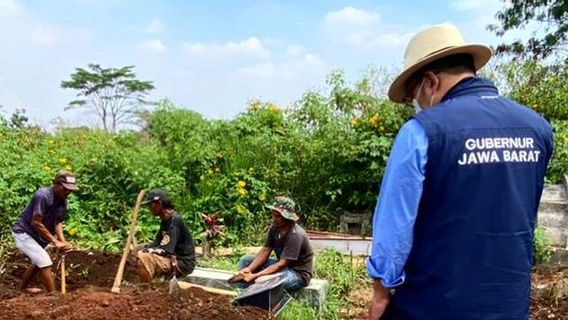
63 246
380 300
250 277
245 271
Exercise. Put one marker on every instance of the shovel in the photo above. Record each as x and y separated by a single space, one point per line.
174 285
175 289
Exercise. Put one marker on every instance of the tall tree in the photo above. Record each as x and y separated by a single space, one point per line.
113 94
551 15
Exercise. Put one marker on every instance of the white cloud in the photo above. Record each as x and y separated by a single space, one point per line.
295 50
250 48
154 45
363 32
292 69
351 16
10 8
154 26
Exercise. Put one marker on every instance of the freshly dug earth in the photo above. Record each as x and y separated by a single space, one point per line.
551 304
89 279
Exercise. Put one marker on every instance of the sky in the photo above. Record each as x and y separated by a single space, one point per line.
212 56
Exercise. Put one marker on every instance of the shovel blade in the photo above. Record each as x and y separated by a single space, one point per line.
174 288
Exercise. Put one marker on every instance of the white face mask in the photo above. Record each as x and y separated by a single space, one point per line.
415 103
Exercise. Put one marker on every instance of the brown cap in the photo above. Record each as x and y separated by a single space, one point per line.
67 180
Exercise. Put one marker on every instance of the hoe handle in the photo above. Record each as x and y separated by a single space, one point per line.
118 278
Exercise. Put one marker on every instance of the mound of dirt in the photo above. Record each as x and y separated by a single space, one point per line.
90 276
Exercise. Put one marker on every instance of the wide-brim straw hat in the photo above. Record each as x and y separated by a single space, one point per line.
432 44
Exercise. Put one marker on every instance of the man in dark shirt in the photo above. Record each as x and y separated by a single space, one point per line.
292 247
172 250
41 224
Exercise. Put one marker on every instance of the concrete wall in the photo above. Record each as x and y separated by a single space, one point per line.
553 214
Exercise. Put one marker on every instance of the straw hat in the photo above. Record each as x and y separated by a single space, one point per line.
436 42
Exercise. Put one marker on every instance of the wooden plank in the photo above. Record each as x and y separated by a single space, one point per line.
186 285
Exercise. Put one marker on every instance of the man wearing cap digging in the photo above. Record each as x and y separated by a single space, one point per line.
172 251
292 247
454 223
41 224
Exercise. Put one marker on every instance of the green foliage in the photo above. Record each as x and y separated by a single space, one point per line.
558 167
551 15
113 94
542 251
544 89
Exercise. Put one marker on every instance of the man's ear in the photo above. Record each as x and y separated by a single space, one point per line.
433 82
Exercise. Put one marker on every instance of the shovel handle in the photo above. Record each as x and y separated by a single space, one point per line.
63 285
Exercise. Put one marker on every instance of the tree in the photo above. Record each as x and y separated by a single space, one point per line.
552 15
19 120
113 94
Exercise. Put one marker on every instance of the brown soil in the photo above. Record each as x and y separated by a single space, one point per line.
89 279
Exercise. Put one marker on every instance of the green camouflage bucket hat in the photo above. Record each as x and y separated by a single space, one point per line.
285 206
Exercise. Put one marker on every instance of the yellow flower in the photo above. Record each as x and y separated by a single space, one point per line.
242 192
273 108
62 161
46 168
354 122
50 141
210 171
51 152
242 184
382 128
374 119
262 198
73 231
217 170
68 168
241 209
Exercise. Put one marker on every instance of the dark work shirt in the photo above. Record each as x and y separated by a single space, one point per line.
295 247
52 210
174 238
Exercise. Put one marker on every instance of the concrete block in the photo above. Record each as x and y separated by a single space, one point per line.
556 207
553 220
555 236
315 293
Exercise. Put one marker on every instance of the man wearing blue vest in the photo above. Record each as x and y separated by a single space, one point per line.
454 223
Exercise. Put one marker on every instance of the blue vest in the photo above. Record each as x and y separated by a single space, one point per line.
472 249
